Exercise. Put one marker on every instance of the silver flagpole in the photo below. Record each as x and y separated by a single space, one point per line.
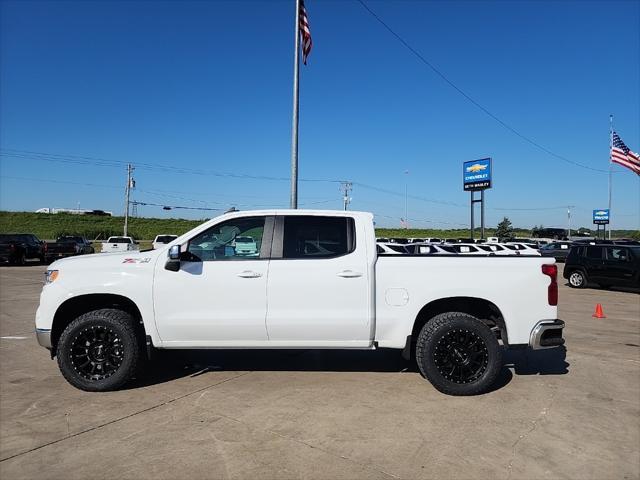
294 128
610 165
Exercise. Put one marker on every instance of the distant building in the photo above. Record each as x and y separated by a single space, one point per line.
74 211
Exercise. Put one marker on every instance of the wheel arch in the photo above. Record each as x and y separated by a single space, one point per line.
76 306
484 310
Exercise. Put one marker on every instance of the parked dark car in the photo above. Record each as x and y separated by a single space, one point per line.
67 246
607 265
17 248
557 250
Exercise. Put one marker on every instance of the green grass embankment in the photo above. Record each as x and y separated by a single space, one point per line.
48 227
93 227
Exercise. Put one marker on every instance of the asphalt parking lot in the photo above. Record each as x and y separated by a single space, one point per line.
327 414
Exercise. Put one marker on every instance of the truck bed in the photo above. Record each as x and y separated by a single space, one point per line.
515 285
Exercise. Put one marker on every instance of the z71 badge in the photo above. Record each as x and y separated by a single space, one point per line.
137 260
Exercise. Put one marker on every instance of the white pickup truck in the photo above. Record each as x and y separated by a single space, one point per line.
317 282
119 244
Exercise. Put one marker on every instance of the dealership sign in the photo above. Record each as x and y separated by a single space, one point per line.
601 217
476 174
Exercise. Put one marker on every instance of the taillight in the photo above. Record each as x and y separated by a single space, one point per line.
46 247
552 291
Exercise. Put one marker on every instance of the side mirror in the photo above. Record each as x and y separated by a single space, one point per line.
173 260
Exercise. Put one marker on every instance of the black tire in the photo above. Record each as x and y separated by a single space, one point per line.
577 279
458 354
100 350
20 259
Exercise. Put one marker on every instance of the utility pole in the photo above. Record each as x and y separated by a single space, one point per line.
345 188
406 219
569 207
130 185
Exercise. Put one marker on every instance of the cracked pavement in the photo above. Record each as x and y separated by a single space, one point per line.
327 414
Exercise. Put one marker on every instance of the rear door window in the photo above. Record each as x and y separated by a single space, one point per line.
594 253
617 254
317 237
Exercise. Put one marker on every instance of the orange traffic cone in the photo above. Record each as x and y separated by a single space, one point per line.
598 313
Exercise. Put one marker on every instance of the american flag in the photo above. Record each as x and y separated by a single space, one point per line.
305 32
622 155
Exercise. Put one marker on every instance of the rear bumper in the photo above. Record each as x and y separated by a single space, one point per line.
44 337
547 334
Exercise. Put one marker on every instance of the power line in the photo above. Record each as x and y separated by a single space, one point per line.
172 207
168 194
87 160
469 98
101 162
530 209
401 194
48 180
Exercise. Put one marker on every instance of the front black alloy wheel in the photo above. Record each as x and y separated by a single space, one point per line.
96 352
458 354
100 350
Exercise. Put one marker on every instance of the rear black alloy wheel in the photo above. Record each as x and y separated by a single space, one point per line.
458 354
100 350
461 356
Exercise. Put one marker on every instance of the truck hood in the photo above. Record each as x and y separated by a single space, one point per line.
106 260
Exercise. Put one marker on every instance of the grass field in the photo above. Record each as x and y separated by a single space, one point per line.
48 227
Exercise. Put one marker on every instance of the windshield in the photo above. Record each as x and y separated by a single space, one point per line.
13 238
70 239
119 240
166 238
244 240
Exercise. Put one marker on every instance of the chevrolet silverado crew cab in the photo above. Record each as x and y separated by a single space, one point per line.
316 282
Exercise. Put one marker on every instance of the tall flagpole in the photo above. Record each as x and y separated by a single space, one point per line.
610 165
294 128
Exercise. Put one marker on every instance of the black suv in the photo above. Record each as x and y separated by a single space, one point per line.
607 265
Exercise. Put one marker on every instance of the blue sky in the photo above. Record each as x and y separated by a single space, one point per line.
206 86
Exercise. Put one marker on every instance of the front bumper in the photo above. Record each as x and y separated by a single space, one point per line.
547 334
44 337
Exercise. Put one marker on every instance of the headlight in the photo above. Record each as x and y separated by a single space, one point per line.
50 276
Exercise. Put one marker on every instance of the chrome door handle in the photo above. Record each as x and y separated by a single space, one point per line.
349 274
249 274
